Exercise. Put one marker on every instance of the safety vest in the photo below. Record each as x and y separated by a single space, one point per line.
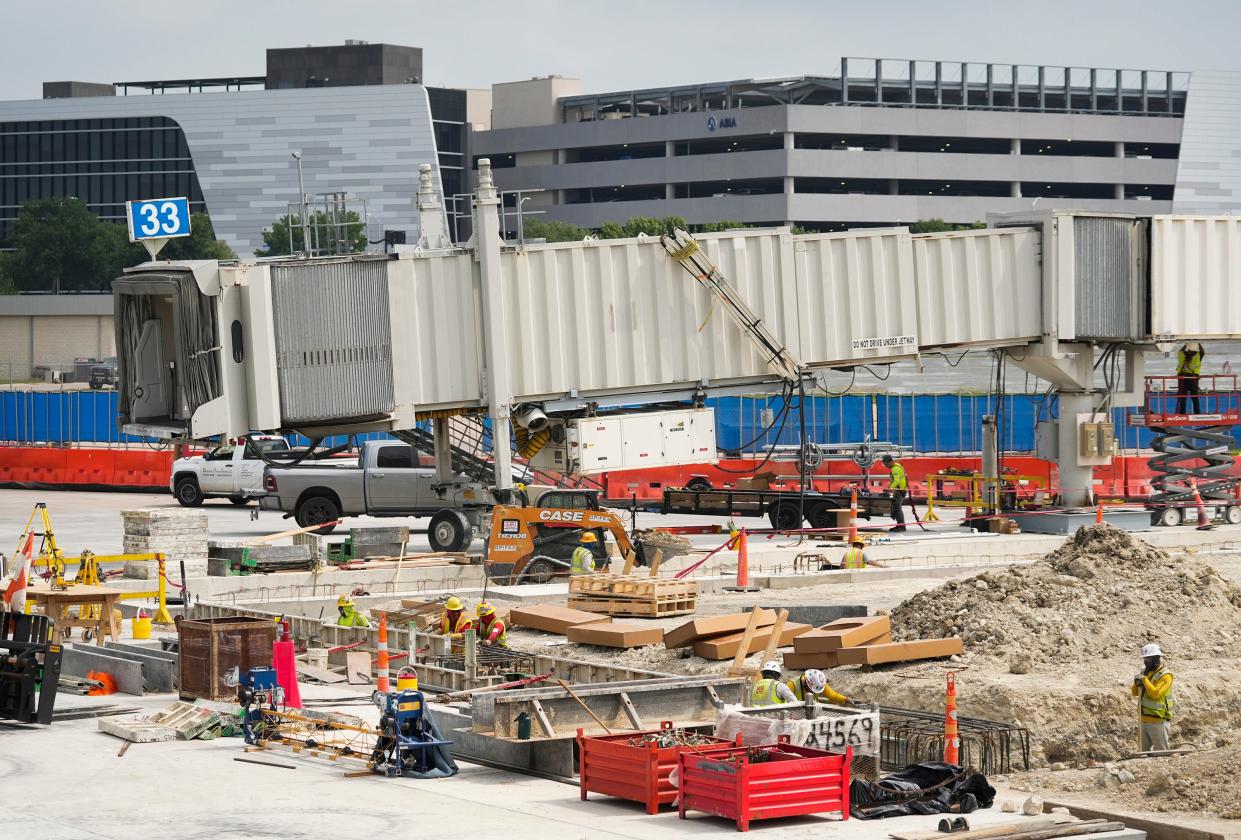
897 480
855 558
459 626
352 618
764 693
797 687
583 560
486 630
1161 709
1188 364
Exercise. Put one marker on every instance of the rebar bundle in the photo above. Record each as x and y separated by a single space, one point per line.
908 736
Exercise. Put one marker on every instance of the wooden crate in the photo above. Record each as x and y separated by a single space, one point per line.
211 647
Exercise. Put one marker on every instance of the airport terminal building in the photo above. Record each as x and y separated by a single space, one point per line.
357 113
884 142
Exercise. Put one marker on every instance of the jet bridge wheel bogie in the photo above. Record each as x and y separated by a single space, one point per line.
1169 517
1233 515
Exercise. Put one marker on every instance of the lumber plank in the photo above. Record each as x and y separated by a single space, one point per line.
900 651
686 634
846 633
725 647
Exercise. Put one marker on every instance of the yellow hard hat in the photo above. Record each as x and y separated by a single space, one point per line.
857 541
589 537
344 601
454 604
485 609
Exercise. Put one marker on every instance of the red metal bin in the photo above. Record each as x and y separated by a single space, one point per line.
788 781
610 765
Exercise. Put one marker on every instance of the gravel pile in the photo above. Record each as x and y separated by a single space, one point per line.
1101 593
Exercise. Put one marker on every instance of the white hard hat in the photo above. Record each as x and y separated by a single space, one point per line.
1151 650
816 680
773 665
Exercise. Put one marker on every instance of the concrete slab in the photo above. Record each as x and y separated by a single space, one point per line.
158 671
1067 523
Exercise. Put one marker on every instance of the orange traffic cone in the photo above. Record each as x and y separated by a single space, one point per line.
853 516
743 565
1204 524
1098 514
952 740
383 684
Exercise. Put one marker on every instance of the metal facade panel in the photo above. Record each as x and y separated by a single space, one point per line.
1109 290
437 330
333 340
978 287
1196 277
621 315
854 287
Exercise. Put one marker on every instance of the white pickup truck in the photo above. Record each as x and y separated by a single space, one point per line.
232 471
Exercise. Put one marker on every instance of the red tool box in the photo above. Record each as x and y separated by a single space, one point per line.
759 783
612 765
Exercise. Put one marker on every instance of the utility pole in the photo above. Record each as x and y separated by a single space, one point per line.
301 200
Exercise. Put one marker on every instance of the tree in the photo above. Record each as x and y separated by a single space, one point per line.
59 245
323 234
939 226
201 244
716 227
553 231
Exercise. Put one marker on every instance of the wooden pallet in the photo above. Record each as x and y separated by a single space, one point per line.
657 607
608 585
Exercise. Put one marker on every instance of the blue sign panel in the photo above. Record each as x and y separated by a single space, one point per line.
160 218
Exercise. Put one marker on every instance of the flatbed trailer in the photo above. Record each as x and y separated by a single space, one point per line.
786 510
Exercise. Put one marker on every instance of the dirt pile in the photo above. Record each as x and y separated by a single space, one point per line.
1103 593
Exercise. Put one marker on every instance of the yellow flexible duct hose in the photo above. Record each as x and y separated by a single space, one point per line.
528 445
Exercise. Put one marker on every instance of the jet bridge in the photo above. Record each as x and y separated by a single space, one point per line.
369 342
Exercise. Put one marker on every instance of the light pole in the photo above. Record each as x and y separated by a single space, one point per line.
521 228
301 194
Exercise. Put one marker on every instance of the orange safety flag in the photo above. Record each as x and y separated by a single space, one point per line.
15 592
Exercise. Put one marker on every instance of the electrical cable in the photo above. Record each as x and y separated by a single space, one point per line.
877 376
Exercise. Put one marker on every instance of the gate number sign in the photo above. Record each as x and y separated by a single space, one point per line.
160 218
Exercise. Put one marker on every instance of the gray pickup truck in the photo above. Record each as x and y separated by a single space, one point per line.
387 480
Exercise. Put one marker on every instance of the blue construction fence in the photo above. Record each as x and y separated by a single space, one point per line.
922 422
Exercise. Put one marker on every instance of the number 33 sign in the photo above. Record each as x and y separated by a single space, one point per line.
158 219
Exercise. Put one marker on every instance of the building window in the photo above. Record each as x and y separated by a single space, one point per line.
991 189
1156 151
1068 148
727 145
607 195
1149 192
842 186
726 189
104 162
1032 189
624 151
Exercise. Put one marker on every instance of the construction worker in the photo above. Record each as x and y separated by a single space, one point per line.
349 615
583 562
1154 687
813 683
855 556
491 630
1188 369
898 486
769 690
453 620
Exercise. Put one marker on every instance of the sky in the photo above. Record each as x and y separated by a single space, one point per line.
610 46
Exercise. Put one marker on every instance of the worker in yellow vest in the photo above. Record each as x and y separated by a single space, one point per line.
349 615
583 561
813 683
898 486
768 690
1188 369
856 557
1154 687
491 630
453 620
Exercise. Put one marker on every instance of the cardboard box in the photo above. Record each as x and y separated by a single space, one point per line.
845 633
760 481
686 634
804 661
726 647
616 634
901 651
551 619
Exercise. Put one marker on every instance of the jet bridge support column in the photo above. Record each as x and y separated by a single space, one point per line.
487 241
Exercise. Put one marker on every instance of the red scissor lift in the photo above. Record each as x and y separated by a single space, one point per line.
1194 439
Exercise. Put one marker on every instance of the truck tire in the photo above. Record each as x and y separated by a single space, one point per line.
784 516
187 491
822 515
450 531
314 510
1233 515
239 500
698 484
